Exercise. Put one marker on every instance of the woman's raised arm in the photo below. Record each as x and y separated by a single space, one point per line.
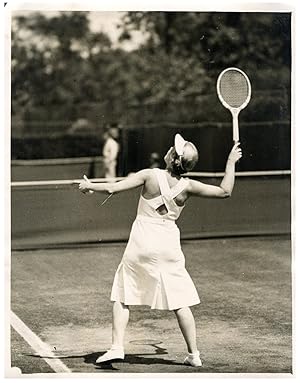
225 189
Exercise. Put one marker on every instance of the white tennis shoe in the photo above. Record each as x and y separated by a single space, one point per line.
113 353
193 359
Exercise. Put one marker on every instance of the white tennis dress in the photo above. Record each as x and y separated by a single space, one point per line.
152 271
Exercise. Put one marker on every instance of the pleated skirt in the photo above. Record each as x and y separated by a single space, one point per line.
152 271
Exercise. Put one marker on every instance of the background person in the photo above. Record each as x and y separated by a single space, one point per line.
110 152
154 160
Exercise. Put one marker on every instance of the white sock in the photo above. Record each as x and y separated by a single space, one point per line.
194 354
117 347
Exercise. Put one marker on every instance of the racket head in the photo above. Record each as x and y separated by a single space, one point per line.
234 89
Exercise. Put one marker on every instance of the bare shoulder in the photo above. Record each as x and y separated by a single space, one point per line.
144 174
190 184
131 181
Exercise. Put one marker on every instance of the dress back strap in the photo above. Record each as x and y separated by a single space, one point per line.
165 188
163 183
168 194
179 187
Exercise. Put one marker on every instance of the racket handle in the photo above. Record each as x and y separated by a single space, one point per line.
87 180
235 127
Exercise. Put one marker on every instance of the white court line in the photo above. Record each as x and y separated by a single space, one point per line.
38 345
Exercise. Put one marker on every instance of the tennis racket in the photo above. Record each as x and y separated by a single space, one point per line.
234 92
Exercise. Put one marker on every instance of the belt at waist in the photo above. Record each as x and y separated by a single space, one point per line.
157 220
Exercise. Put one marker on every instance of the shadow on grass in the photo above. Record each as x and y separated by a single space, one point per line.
145 359
129 359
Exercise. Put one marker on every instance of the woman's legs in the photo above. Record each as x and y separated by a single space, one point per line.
120 316
120 319
184 316
188 328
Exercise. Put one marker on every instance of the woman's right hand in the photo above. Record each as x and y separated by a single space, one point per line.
236 153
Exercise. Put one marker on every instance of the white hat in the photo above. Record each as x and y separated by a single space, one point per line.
187 152
179 144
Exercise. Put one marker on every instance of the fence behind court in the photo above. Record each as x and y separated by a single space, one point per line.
266 146
55 213
56 169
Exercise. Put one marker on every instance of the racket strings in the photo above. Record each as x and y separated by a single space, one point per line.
234 88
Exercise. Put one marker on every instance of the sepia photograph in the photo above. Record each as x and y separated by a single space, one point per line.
151 191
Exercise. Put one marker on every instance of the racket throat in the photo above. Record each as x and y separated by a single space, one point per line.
235 125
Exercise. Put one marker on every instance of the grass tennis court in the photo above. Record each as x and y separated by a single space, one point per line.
244 321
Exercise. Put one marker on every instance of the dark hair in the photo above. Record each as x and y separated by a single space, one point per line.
177 166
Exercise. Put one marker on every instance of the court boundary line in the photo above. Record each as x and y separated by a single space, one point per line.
38 345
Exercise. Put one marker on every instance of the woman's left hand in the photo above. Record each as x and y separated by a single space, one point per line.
84 186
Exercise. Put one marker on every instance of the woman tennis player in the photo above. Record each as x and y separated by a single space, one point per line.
152 271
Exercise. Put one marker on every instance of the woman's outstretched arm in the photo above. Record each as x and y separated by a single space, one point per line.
131 182
225 189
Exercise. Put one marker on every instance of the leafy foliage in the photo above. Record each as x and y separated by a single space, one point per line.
62 71
216 39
